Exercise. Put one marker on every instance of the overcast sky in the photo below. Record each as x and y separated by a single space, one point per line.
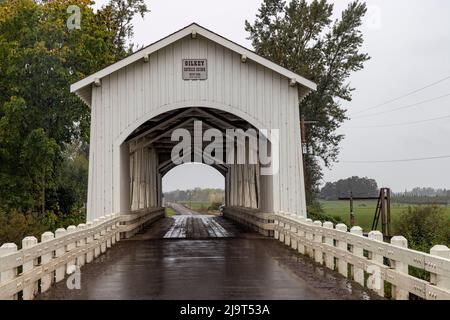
409 42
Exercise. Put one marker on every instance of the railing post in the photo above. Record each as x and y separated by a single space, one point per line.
329 257
282 228
401 267
440 280
318 239
301 236
108 230
276 234
47 278
342 245
30 287
81 259
97 239
294 231
309 238
118 228
60 271
358 272
70 247
287 229
89 241
5 276
378 258
102 235
114 229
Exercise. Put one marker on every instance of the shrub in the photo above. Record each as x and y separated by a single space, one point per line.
424 227
315 212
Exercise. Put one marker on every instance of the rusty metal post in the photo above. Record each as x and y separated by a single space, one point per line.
388 212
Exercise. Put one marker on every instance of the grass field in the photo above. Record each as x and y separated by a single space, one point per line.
364 211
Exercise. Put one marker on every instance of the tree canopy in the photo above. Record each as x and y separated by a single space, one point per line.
302 36
44 129
359 187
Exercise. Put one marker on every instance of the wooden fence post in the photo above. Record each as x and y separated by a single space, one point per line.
342 245
376 236
108 230
60 271
358 271
294 230
118 228
96 238
30 287
287 228
276 234
318 239
114 229
282 227
8 275
102 235
301 236
81 259
440 280
401 267
89 241
329 257
47 278
309 238
70 247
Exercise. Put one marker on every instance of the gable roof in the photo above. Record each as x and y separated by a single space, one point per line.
83 87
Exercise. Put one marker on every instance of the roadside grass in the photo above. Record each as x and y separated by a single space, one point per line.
170 212
194 205
364 212
199 206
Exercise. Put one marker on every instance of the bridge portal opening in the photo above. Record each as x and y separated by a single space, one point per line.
197 186
194 137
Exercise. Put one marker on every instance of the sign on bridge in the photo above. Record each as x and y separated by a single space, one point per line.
195 69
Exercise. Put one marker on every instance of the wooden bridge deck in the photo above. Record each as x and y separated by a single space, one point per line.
190 227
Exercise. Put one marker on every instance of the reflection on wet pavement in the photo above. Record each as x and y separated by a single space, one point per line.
245 267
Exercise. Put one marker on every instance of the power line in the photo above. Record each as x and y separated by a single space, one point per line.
401 124
404 107
403 96
400 160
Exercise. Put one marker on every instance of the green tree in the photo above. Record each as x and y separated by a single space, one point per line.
44 129
118 15
301 36
359 187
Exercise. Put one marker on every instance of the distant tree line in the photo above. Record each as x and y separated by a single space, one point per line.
359 187
196 195
420 195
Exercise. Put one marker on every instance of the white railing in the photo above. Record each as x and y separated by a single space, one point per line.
368 260
37 265
252 218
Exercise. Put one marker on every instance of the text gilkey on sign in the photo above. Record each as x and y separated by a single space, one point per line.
195 69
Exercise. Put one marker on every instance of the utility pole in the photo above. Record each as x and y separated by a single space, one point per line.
303 124
304 146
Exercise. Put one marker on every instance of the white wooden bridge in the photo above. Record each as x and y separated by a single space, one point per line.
138 103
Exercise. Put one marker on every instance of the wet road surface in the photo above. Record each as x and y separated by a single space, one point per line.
190 227
247 266
182 210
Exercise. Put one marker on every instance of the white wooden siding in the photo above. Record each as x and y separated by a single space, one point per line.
140 91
